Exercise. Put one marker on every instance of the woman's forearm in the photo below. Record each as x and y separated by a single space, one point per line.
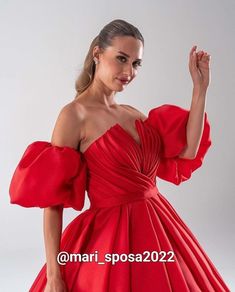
195 124
52 223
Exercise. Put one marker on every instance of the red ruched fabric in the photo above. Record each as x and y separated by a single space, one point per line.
49 175
170 121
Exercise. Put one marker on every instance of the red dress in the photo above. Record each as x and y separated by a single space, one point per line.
127 214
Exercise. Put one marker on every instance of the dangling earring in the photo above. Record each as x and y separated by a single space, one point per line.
95 60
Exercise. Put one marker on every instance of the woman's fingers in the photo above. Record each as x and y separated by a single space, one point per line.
199 55
198 60
192 56
193 49
206 57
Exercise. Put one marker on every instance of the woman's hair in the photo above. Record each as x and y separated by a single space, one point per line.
117 27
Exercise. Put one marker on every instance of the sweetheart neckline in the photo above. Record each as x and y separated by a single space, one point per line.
139 145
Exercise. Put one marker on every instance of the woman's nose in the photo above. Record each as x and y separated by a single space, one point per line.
128 70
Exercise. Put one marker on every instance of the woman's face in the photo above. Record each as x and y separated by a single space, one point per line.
119 61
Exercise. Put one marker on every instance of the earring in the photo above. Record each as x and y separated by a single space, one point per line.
96 61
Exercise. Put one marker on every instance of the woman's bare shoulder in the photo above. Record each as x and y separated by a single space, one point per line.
68 129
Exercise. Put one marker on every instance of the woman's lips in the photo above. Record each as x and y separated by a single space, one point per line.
123 81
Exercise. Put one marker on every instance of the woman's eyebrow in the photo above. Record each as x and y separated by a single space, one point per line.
128 55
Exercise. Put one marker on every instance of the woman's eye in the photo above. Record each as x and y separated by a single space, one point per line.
121 57
135 64
138 64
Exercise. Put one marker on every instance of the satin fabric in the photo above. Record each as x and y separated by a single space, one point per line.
127 213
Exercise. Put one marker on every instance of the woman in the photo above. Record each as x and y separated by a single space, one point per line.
115 152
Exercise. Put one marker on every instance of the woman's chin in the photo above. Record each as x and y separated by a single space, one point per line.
121 87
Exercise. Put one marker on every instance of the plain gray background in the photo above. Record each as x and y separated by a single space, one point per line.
43 46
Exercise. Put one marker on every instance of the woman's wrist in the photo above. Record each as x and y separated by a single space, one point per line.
199 90
54 273
198 97
57 276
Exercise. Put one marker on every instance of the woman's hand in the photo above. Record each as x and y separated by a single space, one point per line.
199 68
55 285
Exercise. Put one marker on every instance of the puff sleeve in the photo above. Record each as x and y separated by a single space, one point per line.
49 175
170 121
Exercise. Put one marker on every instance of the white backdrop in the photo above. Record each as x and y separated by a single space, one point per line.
43 45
